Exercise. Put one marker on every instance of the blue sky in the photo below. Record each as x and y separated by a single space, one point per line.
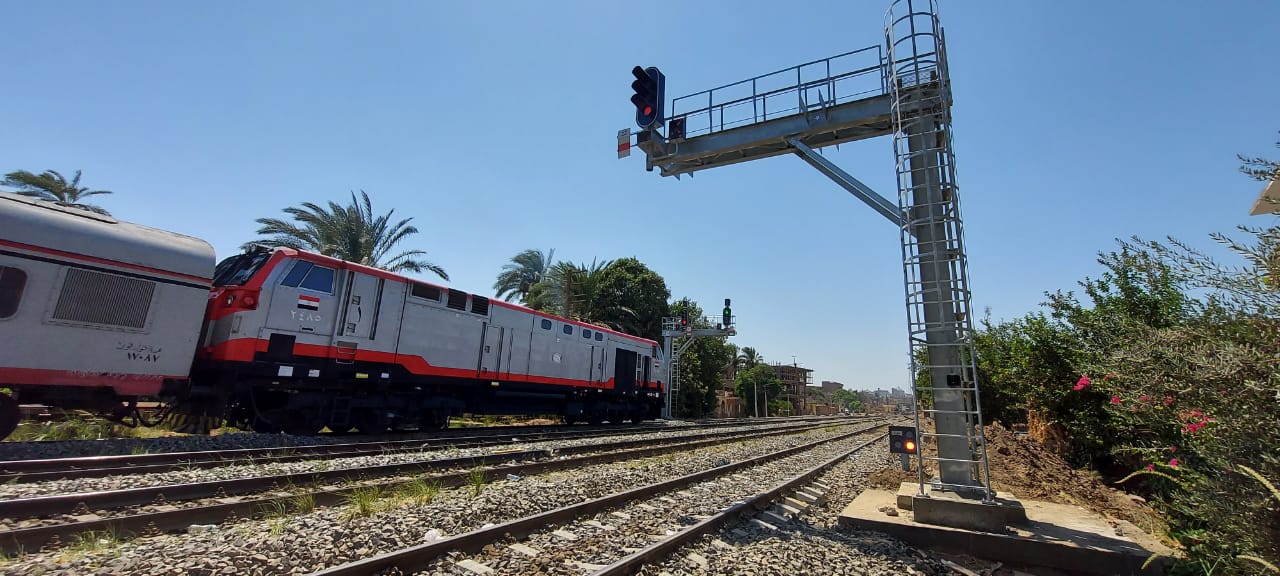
493 125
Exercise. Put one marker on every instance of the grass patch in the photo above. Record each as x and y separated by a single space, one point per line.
364 501
476 479
419 491
303 503
93 542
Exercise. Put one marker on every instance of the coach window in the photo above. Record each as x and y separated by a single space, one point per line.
12 282
546 324
586 333
599 336
568 329
294 278
319 279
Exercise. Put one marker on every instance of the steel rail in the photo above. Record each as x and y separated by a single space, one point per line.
98 466
417 558
226 508
632 563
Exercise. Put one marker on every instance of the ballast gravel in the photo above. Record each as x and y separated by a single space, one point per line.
201 443
321 464
810 544
303 542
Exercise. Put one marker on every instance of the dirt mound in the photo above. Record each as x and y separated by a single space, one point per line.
1022 467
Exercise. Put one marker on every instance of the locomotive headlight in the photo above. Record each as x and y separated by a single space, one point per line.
231 298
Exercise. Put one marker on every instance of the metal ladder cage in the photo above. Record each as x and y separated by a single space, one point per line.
935 268
673 368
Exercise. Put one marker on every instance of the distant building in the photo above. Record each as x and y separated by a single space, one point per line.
794 382
829 386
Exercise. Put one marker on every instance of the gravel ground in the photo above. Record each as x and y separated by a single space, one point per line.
320 464
569 549
811 544
118 446
300 543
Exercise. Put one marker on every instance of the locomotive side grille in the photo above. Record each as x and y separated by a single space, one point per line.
108 299
457 299
479 305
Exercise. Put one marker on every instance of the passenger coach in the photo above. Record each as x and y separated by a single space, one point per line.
94 312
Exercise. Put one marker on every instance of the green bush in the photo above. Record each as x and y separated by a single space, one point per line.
1169 371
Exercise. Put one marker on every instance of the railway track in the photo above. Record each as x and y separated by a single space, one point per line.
174 507
38 470
620 529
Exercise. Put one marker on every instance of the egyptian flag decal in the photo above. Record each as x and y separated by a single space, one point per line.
308 302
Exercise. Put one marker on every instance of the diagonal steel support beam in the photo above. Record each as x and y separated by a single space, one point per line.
848 182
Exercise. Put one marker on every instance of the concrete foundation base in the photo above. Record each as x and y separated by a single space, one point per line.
1051 535
946 508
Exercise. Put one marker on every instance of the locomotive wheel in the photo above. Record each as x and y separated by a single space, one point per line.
369 421
10 414
299 424
339 429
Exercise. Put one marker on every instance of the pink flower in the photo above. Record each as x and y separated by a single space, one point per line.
1143 398
1151 466
1174 462
1196 413
1082 383
1173 448
1168 400
1115 400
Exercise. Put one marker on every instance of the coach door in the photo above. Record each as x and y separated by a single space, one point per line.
490 352
358 323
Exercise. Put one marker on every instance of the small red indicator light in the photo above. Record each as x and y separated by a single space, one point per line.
648 110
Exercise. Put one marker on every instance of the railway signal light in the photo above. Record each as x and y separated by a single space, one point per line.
728 313
902 440
650 91
684 318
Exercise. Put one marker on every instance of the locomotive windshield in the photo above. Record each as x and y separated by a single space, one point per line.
237 270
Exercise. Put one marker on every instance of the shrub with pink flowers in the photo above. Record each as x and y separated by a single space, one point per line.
1166 379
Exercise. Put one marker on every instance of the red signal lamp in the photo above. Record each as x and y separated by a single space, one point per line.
910 446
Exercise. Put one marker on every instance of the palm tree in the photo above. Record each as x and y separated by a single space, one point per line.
51 186
570 289
749 358
526 269
578 291
349 233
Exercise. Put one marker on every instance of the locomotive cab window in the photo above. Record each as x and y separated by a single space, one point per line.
307 275
319 279
546 324
299 271
568 329
599 336
236 270
586 333
12 283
